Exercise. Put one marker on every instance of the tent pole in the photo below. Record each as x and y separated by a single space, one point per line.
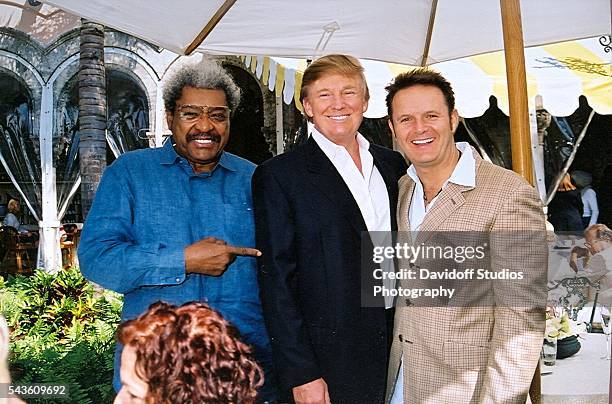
49 225
517 89
520 135
160 115
280 134
212 23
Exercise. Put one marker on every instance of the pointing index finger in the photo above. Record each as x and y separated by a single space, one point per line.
246 251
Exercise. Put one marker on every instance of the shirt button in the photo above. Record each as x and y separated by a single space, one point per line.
178 280
400 337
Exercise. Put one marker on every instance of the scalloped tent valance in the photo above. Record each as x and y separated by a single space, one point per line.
559 73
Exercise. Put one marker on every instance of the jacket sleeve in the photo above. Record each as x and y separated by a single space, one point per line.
518 243
108 253
278 275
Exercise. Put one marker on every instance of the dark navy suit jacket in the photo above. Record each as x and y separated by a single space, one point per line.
309 228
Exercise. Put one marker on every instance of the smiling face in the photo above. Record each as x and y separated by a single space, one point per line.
200 141
134 390
424 127
336 104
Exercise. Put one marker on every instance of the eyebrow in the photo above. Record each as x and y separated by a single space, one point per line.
431 111
201 106
342 89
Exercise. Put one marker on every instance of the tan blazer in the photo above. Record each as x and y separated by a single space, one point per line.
477 354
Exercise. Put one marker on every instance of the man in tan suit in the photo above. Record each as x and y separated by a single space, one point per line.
473 353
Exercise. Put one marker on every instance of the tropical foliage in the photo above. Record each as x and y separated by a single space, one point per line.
62 332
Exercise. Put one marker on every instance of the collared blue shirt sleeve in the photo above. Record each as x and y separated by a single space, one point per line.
110 254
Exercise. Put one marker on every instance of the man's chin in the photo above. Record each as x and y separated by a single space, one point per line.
204 153
211 158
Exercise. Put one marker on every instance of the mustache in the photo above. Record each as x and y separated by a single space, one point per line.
203 135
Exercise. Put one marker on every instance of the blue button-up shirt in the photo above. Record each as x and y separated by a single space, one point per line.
149 206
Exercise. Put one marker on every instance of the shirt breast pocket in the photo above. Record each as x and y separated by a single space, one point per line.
240 223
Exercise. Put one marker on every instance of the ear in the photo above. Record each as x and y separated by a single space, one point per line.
390 123
307 107
365 106
454 121
169 119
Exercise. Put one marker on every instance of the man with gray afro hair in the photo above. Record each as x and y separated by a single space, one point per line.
207 74
176 223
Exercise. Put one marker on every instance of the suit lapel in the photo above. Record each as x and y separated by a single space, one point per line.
450 199
406 190
326 179
390 179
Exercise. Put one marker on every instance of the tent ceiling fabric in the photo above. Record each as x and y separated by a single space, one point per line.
391 30
560 73
43 23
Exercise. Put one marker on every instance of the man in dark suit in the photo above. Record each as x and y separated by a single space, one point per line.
311 207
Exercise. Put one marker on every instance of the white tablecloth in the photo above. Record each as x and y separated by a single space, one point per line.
582 378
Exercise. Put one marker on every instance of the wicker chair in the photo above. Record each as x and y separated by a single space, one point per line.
11 245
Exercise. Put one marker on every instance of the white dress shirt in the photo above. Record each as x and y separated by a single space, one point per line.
463 174
367 187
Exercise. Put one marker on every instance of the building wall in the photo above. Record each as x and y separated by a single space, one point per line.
54 62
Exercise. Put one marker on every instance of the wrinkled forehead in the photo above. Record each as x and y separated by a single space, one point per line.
358 77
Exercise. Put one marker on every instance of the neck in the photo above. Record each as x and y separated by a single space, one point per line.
433 177
353 150
351 145
348 142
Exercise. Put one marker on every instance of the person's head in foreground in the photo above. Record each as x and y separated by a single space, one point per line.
335 95
597 238
423 118
5 376
199 99
186 354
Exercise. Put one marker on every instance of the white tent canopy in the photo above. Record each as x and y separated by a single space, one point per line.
560 73
388 30
413 32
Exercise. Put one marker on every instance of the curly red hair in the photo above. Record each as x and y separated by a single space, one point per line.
191 354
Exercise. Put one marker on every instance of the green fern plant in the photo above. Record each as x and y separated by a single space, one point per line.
62 332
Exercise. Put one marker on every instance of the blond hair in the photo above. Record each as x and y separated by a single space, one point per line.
12 205
333 64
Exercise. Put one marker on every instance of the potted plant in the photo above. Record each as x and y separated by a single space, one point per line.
565 331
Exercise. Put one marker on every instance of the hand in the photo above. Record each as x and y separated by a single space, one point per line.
211 256
314 392
577 252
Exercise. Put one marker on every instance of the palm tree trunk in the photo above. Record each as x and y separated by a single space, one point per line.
92 111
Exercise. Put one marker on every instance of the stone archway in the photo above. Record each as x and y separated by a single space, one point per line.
128 119
19 146
128 112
